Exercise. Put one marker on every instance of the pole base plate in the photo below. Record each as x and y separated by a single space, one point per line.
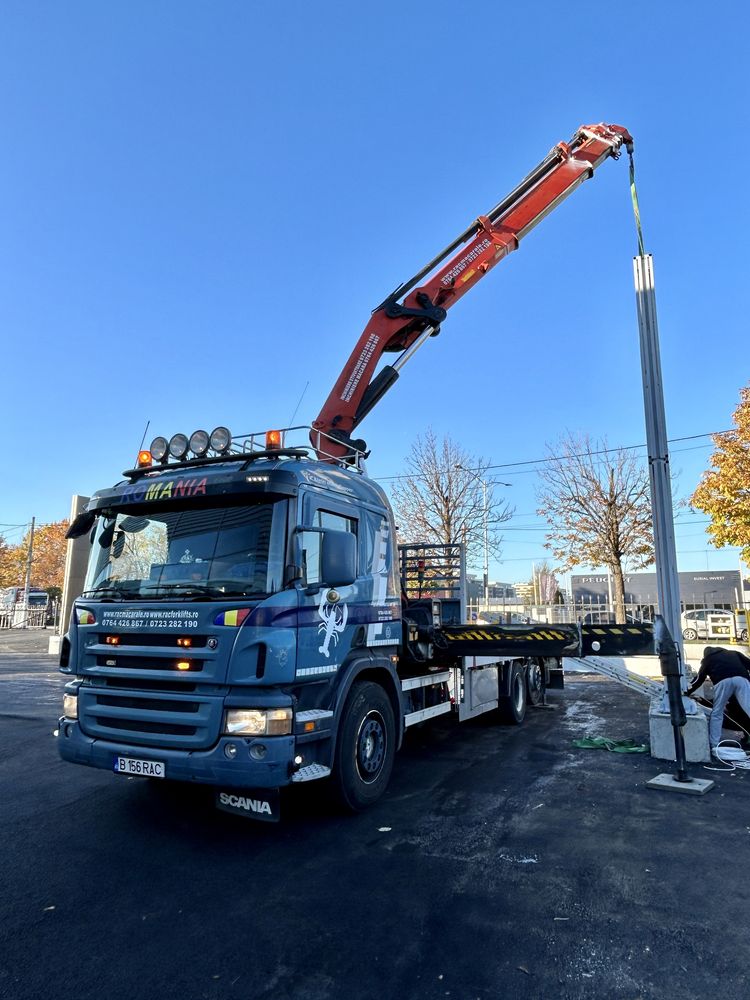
668 783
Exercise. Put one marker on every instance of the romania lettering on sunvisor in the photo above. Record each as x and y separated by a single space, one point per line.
172 489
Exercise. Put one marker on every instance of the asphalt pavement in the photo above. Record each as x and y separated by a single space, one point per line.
502 862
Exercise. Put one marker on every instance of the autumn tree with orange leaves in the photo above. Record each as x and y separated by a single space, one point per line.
48 561
724 490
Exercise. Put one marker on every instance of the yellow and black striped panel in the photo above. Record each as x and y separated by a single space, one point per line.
511 640
617 640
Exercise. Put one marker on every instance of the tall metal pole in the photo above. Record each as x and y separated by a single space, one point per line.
667 580
27 588
486 547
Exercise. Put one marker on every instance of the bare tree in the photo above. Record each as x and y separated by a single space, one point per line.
441 498
597 503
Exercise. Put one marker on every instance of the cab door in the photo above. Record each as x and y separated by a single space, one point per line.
329 616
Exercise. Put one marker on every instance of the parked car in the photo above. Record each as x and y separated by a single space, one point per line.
608 618
708 623
740 620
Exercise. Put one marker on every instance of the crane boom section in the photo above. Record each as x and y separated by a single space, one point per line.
414 311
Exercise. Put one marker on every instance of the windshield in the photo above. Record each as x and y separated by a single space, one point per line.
211 552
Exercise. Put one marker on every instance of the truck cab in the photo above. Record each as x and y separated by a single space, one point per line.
227 613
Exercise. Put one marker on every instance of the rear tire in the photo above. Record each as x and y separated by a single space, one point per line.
512 707
366 747
535 683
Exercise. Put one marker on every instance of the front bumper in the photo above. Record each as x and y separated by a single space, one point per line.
208 767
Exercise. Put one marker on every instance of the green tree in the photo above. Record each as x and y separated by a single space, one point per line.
597 503
724 490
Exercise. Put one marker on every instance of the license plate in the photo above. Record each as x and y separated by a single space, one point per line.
144 768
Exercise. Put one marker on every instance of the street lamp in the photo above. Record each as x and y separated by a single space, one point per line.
486 511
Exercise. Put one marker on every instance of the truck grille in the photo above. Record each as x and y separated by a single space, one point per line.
142 689
150 717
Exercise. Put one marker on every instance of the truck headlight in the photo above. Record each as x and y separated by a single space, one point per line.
70 706
258 722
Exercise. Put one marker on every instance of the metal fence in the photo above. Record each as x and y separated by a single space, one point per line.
19 616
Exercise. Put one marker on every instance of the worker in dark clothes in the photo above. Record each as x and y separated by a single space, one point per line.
729 672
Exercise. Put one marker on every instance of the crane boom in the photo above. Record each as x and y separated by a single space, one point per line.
413 312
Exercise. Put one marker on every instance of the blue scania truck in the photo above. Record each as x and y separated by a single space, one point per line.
248 620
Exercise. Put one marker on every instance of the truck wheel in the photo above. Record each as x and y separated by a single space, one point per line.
365 748
690 634
535 684
512 707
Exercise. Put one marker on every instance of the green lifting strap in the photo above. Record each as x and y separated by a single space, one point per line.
614 746
636 210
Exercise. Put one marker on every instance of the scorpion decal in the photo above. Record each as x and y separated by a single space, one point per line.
334 621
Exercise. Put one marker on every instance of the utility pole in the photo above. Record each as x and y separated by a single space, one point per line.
27 588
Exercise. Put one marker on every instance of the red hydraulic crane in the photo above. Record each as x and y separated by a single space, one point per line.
414 312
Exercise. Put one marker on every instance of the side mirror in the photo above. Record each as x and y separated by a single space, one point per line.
82 524
338 558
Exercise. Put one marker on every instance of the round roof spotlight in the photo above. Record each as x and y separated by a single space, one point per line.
159 448
221 439
178 446
199 443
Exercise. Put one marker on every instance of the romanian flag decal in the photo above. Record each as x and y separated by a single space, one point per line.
234 618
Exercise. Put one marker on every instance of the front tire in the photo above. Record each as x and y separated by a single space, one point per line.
512 707
689 634
366 747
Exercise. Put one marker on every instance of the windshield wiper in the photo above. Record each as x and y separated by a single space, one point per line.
108 593
187 589
241 593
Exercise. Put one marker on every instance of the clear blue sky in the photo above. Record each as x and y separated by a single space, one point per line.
202 203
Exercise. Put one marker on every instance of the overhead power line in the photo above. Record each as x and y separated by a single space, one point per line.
561 458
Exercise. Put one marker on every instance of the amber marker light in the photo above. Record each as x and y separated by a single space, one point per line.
112 640
183 665
185 641
273 440
144 459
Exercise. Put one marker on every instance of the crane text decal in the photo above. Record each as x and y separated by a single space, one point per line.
449 278
356 375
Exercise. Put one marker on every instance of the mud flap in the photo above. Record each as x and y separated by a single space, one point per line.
262 804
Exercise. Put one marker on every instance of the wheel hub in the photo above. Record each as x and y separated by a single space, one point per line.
371 746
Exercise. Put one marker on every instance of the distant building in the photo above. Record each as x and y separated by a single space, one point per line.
499 592
697 590
524 592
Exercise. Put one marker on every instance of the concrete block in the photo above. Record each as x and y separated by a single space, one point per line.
694 732
55 643
668 783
